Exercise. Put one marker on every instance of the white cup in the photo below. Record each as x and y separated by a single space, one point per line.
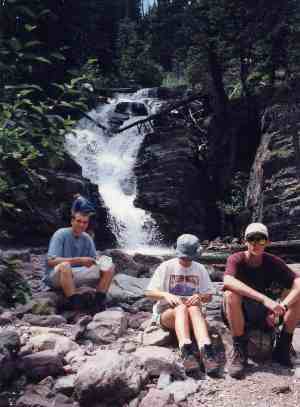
105 263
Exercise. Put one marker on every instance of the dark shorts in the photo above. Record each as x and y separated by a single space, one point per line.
255 314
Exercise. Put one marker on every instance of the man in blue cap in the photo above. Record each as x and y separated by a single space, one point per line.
180 286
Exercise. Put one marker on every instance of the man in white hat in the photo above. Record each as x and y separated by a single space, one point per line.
249 279
180 286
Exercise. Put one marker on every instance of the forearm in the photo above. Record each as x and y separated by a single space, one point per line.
73 261
294 294
237 286
155 294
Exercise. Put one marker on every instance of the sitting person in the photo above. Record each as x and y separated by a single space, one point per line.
181 286
249 279
72 262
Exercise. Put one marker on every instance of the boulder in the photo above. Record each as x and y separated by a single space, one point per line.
9 349
40 365
156 359
126 288
110 377
107 326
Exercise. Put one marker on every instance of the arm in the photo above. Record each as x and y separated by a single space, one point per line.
294 294
73 261
157 295
233 284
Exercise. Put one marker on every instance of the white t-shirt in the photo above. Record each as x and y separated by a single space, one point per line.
171 277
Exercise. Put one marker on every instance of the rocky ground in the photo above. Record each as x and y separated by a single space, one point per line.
117 358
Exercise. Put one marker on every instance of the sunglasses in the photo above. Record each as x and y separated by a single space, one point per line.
261 240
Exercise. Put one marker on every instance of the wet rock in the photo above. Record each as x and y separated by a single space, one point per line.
107 326
111 377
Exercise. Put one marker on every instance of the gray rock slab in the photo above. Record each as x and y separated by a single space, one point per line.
48 341
44 320
156 336
157 398
156 359
107 326
111 377
40 365
127 288
180 390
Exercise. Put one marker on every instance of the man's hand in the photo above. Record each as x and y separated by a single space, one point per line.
276 308
172 299
86 261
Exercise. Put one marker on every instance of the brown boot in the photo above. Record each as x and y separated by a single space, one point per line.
209 360
238 358
282 352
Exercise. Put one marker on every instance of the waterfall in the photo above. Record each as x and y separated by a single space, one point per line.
107 159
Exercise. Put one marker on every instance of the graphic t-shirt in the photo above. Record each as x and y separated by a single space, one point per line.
269 278
171 277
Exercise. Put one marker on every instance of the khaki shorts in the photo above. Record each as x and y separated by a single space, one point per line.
83 276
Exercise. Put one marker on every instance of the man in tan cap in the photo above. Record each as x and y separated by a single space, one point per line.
249 279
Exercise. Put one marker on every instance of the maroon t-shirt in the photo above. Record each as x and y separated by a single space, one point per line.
273 274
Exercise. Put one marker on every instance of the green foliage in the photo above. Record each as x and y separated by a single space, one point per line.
13 288
234 197
33 118
135 62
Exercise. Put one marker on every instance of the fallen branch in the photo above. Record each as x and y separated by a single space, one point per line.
94 121
163 112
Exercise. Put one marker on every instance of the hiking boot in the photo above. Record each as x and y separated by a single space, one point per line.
237 360
100 302
209 360
74 303
282 352
189 361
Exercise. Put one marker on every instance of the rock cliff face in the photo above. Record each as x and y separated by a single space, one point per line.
273 193
171 183
49 208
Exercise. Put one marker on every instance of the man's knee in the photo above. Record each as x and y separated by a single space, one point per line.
64 268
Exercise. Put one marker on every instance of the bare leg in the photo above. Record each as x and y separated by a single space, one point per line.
66 279
292 317
199 326
178 319
105 280
234 313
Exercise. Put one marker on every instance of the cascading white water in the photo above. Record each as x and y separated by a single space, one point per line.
108 159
